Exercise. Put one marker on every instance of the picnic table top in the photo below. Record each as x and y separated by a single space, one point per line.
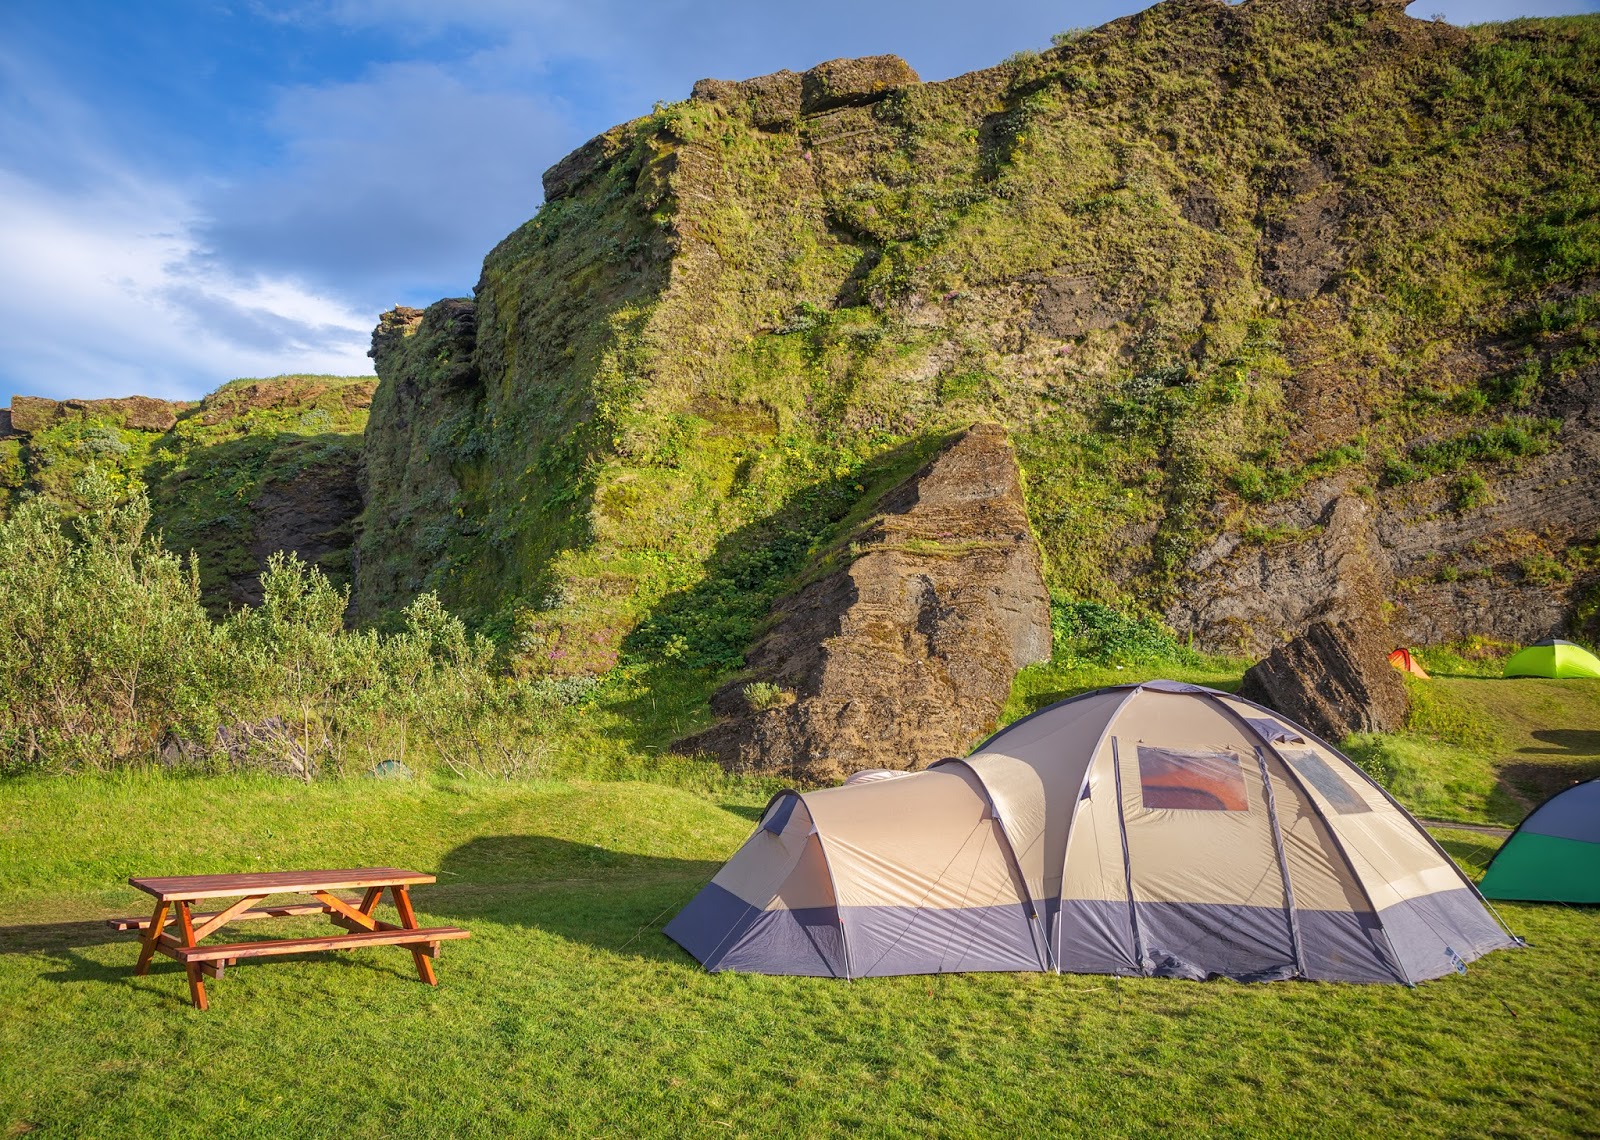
189 887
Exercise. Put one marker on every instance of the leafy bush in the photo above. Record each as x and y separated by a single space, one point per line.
109 658
1092 632
764 695
103 644
1470 492
1513 438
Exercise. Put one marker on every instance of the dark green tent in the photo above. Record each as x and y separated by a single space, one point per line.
1554 855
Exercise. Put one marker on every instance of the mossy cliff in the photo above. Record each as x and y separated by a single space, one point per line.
255 467
1269 296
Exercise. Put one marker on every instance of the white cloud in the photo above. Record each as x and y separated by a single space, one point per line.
104 296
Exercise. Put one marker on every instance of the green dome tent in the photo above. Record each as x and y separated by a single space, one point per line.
1554 855
1553 657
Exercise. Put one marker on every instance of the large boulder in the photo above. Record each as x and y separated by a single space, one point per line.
1334 679
579 167
772 101
906 652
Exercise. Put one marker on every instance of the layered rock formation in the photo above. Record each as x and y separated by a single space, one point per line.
905 651
1223 271
1334 679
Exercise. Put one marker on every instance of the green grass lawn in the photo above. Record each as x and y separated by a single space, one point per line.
568 1011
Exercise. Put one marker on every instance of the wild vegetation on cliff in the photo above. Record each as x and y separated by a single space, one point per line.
1272 297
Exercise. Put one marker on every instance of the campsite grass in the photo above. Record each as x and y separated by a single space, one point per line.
1487 749
569 1012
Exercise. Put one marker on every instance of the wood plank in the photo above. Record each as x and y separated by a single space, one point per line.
197 985
291 910
192 887
377 924
340 909
213 922
155 922
274 946
171 946
408 919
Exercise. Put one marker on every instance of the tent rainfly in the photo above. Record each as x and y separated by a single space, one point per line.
1554 854
1403 660
1153 829
1553 657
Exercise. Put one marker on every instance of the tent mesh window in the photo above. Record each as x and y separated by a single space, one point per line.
1191 781
1314 770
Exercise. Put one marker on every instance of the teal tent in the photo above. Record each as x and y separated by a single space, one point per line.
1554 855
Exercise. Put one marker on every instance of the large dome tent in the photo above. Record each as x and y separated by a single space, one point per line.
1554 854
1149 829
1553 657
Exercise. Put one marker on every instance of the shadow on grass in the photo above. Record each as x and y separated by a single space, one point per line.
1533 782
1566 742
49 937
64 943
611 900
752 812
1471 852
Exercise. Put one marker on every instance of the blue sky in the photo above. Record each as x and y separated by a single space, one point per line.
195 190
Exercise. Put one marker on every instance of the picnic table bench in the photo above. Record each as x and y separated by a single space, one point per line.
176 896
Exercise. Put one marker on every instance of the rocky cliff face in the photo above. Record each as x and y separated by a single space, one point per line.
255 467
1275 299
901 646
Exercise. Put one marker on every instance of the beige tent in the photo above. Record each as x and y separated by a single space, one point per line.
1155 829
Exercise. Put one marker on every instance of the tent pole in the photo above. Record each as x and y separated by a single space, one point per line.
1283 865
1127 861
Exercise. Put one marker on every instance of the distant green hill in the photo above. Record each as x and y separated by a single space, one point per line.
254 467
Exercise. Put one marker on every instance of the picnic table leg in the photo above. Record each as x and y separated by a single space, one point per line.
197 985
157 921
408 921
369 901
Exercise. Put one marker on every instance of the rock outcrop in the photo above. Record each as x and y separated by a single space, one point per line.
138 413
777 101
1250 394
1334 679
905 653
429 381
257 466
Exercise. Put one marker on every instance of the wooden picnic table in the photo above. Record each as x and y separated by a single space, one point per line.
355 915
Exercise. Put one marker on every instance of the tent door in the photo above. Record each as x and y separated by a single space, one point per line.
1205 870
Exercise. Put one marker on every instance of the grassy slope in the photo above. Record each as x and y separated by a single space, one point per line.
1484 749
568 1011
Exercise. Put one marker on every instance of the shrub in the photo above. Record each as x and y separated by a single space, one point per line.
764 695
109 657
1094 632
103 633
1470 492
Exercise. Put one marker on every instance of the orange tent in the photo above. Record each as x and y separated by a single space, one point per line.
1402 660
